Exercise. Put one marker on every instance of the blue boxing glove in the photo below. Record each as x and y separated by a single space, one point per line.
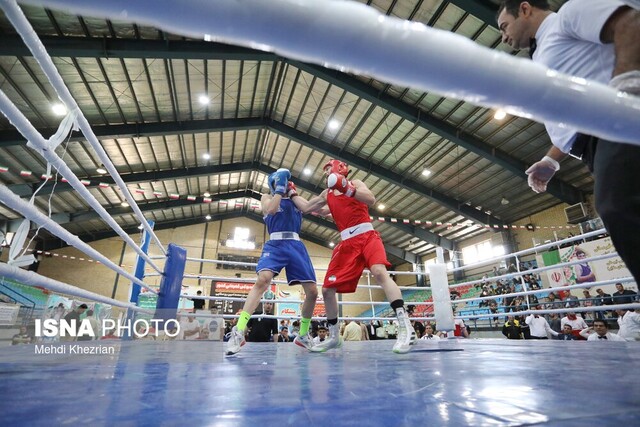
282 181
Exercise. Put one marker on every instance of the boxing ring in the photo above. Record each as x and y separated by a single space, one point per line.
454 381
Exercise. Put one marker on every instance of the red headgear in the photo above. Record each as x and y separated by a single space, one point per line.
337 167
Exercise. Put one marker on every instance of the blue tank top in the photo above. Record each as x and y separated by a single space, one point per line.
288 218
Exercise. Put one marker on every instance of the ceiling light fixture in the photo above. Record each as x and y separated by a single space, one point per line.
59 109
381 207
101 170
124 204
208 217
334 124
426 172
203 100
500 114
206 156
332 244
306 171
504 201
207 194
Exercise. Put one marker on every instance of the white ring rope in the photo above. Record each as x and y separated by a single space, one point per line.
38 143
30 278
350 36
12 201
22 25
554 310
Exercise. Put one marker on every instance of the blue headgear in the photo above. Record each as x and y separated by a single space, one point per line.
271 182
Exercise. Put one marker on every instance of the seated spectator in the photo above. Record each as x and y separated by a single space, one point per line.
322 334
554 322
567 334
283 336
571 301
22 337
587 301
577 324
429 334
599 332
511 329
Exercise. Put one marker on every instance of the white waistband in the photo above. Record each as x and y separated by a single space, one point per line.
355 230
284 235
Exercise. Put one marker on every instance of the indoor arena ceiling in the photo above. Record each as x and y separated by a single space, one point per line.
140 89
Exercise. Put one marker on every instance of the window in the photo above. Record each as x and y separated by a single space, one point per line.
240 240
432 261
481 251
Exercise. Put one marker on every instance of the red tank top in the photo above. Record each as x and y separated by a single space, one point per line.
347 211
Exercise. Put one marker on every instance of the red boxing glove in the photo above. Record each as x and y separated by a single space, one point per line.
291 190
338 182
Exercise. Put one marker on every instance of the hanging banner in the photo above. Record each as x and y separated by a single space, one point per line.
608 269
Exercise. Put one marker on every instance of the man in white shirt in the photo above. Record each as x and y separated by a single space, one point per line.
322 335
594 40
629 322
215 326
428 334
599 332
189 328
539 327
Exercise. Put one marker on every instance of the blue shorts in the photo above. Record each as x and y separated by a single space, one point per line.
290 255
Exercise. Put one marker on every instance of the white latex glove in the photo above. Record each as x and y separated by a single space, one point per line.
627 82
540 173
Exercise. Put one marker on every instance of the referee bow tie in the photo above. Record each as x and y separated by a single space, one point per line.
533 45
604 337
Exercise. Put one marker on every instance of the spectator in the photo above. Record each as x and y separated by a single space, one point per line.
322 335
429 334
352 331
577 324
262 329
587 302
567 333
623 296
283 336
629 323
215 326
511 329
602 299
189 328
95 328
571 301
198 302
22 337
363 330
599 332
554 322
372 329
74 317
418 326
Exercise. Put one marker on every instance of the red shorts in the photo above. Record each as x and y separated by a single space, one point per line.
350 258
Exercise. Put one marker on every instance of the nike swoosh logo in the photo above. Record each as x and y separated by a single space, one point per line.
353 231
